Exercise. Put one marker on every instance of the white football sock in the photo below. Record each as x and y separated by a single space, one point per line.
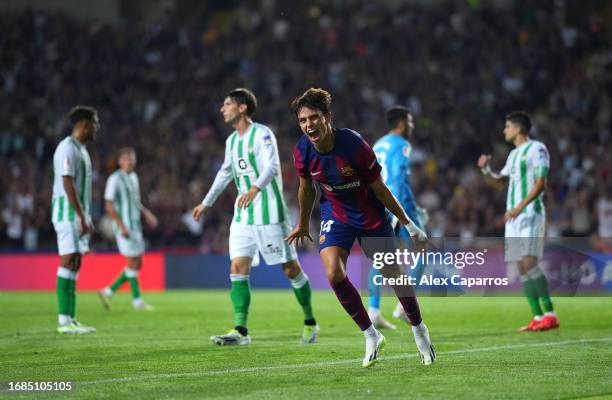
420 329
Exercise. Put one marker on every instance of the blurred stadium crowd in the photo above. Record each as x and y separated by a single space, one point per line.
460 67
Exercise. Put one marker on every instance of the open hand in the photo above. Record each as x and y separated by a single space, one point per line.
299 235
246 199
199 211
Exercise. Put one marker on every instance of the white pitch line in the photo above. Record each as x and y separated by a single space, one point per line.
339 362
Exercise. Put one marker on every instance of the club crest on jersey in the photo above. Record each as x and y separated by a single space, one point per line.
347 170
406 151
542 154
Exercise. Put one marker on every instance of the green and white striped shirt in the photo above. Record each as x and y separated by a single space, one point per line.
70 159
252 159
524 164
123 190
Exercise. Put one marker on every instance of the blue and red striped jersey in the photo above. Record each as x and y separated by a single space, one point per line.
344 176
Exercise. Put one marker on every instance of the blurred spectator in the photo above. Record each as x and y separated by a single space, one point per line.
604 214
459 66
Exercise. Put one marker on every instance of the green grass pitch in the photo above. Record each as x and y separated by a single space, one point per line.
167 353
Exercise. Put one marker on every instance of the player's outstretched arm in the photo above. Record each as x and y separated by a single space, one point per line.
70 190
493 179
306 198
110 210
385 196
222 179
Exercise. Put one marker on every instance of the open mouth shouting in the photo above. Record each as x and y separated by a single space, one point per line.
314 135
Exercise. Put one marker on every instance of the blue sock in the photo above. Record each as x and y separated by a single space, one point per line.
375 290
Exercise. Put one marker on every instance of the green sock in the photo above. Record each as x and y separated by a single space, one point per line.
531 294
241 298
119 281
72 291
132 277
303 293
63 291
541 287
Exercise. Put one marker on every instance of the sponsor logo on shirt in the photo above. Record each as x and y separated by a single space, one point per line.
267 140
321 239
347 170
350 185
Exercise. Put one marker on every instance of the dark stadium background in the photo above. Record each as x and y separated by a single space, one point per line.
158 70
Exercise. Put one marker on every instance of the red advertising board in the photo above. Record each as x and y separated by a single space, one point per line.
38 271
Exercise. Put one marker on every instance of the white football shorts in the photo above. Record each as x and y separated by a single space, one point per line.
524 236
68 239
269 240
132 246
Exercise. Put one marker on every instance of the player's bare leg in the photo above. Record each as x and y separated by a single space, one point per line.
303 293
240 294
334 260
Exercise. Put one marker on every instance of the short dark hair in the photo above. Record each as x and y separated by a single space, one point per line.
125 150
315 98
520 118
396 114
246 97
81 112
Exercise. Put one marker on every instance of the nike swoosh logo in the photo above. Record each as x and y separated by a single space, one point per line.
316 173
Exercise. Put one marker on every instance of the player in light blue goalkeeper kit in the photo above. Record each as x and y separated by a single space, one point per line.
394 152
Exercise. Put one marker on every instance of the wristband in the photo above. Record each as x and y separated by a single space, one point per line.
414 230
486 170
